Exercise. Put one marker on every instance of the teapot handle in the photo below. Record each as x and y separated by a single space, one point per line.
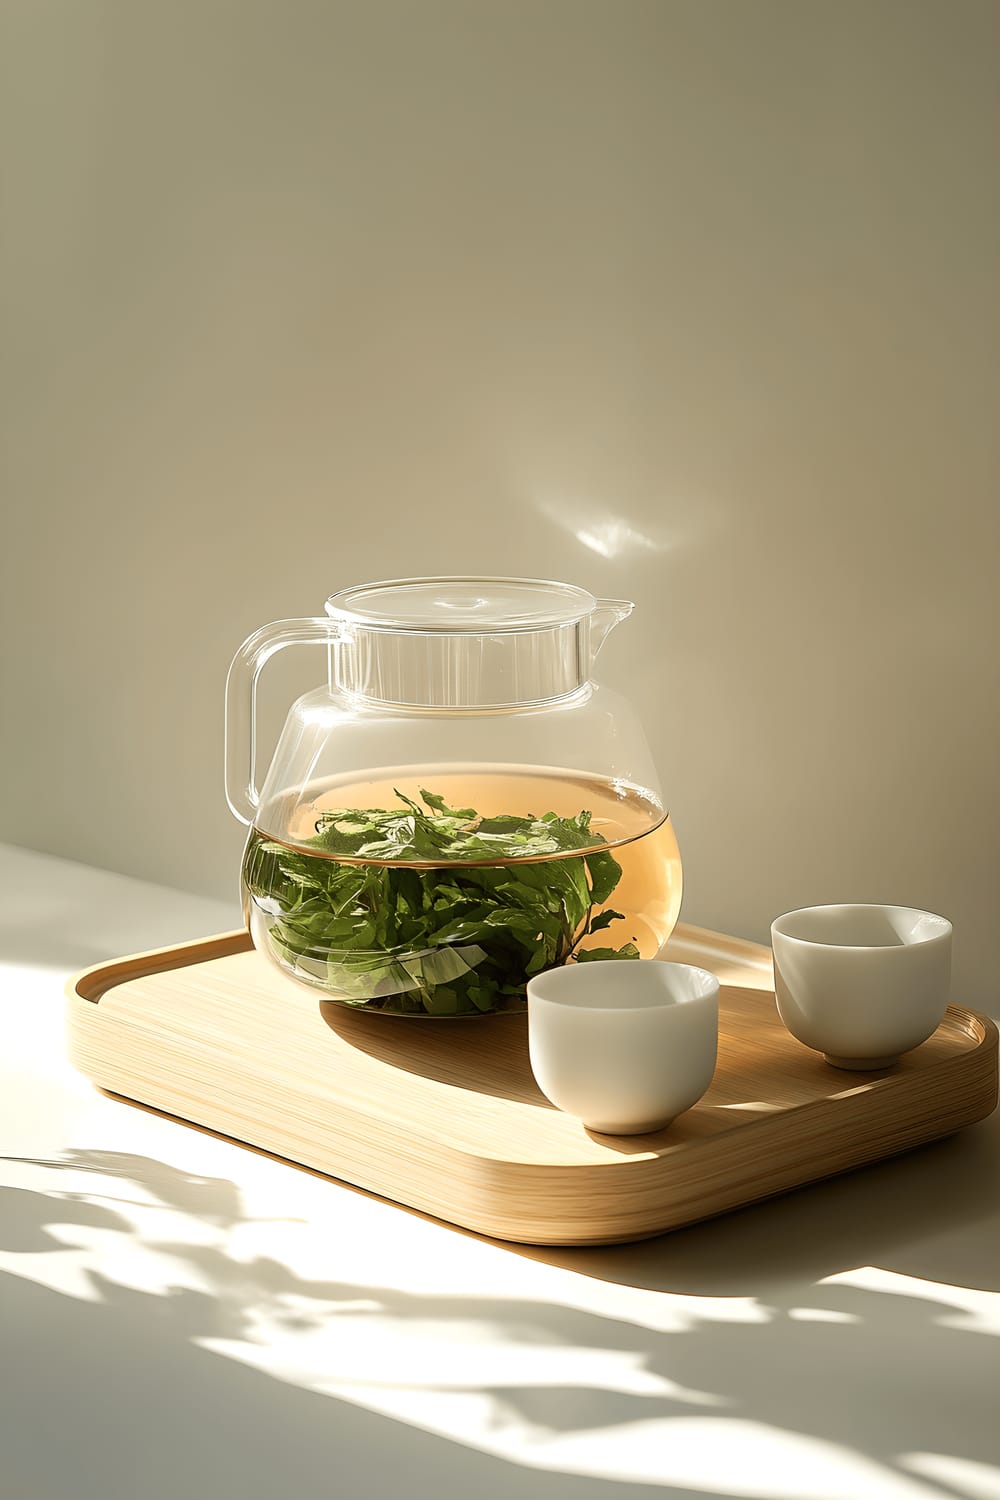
241 702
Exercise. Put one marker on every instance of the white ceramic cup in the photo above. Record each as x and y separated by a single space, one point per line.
627 1045
861 984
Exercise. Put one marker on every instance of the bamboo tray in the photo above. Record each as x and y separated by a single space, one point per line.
445 1116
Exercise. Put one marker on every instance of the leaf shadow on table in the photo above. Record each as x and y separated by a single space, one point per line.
871 1367
112 1372
107 1391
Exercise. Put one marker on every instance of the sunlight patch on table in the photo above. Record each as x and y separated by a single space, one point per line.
820 1315
975 1311
963 1476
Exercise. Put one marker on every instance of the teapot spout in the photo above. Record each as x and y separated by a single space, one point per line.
608 614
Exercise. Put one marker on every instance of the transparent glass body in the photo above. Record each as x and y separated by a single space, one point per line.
459 806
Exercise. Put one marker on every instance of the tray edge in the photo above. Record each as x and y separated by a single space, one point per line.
94 981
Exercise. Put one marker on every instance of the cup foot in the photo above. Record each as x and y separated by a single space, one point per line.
860 1064
619 1129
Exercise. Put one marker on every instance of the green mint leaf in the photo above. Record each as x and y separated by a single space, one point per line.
505 823
605 873
605 919
438 804
603 955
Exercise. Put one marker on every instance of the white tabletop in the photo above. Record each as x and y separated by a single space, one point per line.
180 1316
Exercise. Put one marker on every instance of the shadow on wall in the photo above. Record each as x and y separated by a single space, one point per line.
115 1397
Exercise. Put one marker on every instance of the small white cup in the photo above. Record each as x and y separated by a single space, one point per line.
861 984
625 1046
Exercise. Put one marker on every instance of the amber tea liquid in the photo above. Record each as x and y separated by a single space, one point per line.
628 821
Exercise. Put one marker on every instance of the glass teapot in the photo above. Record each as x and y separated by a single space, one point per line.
458 807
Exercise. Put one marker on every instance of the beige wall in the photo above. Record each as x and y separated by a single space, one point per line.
691 302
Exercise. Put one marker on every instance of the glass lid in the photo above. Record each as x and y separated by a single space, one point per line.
462 606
